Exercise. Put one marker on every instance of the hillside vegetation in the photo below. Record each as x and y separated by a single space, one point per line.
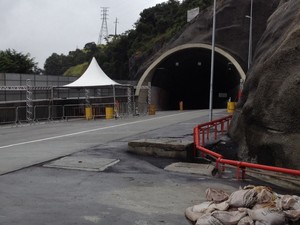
121 56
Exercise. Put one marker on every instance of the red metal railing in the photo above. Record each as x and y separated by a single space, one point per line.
206 132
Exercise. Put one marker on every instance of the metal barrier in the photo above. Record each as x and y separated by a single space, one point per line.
99 109
208 131
121 109
74 111
140 108
21 114
41 112
56 112
8 115
17 114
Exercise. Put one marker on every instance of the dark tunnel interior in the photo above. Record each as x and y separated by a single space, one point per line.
185 76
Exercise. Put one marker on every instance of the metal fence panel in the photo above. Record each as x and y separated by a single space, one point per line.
13 76
56 112
8 115
25 77
141 108
13 82
99 110
41 112
74 111
21 114
14 96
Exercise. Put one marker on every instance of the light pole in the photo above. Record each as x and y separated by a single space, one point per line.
212 63
250 35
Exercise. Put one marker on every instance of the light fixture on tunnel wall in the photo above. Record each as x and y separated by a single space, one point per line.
161 68
199 63
176 63
229 66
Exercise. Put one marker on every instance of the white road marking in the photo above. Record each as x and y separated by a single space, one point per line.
87 131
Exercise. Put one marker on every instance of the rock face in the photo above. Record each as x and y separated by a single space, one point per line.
266 124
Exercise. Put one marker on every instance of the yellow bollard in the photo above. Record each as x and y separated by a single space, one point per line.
181 105
88 113
109 112
151 109
230 107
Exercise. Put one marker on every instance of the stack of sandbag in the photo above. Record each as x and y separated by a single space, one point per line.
251 205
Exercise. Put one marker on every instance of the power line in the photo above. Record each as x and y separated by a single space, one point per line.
104 29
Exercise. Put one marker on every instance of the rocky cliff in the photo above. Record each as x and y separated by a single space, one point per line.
266 124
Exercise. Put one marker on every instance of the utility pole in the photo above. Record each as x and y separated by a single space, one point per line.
104 30
116 26
250 35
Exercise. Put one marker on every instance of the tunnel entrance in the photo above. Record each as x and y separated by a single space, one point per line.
185 76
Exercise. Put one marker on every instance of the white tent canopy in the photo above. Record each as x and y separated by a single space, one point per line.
92 77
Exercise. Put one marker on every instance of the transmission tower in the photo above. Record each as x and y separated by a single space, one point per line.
104 30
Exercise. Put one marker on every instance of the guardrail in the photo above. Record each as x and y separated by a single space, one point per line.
210 131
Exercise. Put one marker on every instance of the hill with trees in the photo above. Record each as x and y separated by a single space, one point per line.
122 54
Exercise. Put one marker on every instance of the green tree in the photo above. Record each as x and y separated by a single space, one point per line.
53 65
58 64
16 62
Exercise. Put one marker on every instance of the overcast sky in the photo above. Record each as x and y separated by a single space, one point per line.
42 27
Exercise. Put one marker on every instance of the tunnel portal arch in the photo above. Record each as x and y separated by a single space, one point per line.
182 74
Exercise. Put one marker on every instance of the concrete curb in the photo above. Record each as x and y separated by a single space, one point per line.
162 147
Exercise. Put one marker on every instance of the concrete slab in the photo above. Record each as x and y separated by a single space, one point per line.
82 163
193 168
163 147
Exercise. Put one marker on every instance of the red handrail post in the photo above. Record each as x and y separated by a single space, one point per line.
217 164
222 127
203 137
243 173
208 131
237 172
223 167
196 137
216 131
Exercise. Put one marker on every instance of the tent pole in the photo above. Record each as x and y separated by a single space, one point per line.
87 97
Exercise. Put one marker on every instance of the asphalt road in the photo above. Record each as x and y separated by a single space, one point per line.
135 191
33 144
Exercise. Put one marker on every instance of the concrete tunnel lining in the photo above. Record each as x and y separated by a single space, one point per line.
148 75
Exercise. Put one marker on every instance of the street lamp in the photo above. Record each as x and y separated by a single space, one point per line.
250 35
212 63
